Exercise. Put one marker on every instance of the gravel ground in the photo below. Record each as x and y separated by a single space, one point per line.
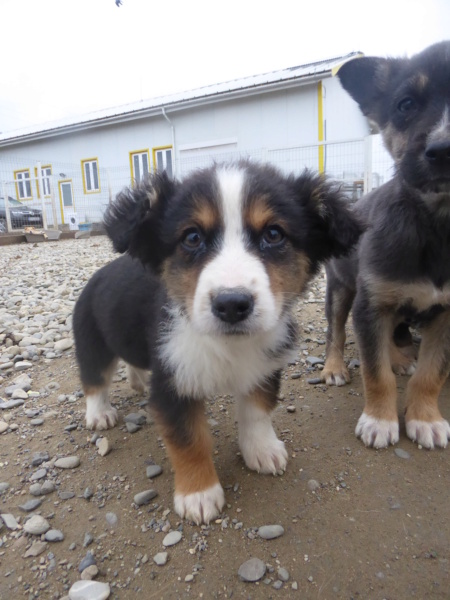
90 516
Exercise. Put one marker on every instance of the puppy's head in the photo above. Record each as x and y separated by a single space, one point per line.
409 101
234 244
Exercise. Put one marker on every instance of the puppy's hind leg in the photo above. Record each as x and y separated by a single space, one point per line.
138 378
100 414
339 299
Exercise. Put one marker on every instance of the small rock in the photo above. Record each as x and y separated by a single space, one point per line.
160 559
132 427
11 404
153 471
31 505
10 521
88 493
68 462
4 486
39 474
89 590
37 525
87 561
54 535
189 578
89 573
283 574
111 519
313 485
314 380
172 538
145 497
402 453
136 418
270 532
3 426
88 539
19 394
39 458
63 344
103 446
66 495
314 360
252 570
37 422
22 365
291 408
35 549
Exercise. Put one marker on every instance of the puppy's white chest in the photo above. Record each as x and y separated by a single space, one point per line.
204 365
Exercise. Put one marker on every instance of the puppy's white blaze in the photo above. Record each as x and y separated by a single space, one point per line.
261 449
200 507
234 266
429 434
204 365
442 127
378 433
99 412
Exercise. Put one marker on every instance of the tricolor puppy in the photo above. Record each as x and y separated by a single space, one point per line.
400 272
203 297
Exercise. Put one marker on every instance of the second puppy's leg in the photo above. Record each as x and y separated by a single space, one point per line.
378 424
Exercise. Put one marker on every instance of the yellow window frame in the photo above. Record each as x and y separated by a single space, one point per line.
83 162
37 179
133 153
17 185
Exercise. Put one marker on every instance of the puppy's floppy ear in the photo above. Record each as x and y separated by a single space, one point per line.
330 226
367 79
133 220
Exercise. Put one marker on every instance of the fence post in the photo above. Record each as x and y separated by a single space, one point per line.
41 187
52 196
8 216
368 179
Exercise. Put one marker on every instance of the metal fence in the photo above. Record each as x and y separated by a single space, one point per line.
56 197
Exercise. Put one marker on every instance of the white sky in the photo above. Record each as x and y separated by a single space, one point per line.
63 58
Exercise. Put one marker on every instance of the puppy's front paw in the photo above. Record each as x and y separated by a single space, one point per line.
378 433
100 415
200 507
264 455
429 433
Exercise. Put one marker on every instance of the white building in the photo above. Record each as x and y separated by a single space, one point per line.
295 118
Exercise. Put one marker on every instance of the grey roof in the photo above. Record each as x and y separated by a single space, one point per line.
284 78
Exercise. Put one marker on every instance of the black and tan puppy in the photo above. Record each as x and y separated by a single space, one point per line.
204 298
400 272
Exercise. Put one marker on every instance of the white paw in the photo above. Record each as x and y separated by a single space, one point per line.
337 379
99 413
378 433
429 433
200 507
264 454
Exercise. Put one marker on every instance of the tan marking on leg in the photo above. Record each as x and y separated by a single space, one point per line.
192 463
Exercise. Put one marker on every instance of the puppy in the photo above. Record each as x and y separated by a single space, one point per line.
204 298
400 271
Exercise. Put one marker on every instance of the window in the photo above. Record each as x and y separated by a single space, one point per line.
139 164
23 184
91 180
162 159
46 173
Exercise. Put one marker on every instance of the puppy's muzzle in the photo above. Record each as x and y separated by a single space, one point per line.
232 305
438 154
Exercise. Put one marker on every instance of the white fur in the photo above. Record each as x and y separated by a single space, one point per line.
234 267
429 433
204 365
378 433
261 449
200 507
99 412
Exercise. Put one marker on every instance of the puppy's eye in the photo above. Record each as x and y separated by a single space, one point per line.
192 239
272 236
406 105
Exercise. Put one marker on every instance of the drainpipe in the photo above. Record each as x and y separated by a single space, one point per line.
174 162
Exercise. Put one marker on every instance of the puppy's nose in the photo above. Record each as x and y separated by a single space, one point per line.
232 305
438 154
